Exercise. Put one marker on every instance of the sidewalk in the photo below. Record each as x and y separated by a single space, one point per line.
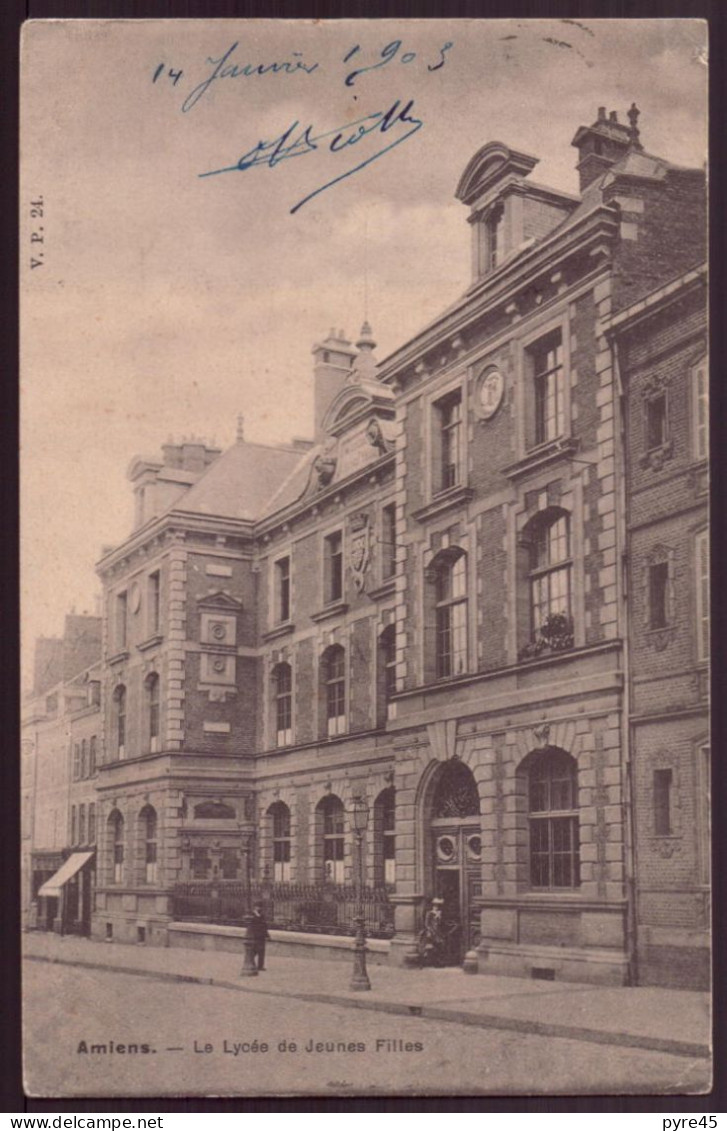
663 1020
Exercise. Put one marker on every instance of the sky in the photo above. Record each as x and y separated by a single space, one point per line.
165 302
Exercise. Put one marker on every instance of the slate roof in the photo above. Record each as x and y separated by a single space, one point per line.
241 482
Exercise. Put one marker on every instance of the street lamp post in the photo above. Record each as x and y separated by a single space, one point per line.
249 969
360 820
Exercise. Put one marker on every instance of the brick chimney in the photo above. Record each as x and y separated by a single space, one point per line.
604 143
333 361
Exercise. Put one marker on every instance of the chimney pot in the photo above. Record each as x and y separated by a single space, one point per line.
613 116
601 113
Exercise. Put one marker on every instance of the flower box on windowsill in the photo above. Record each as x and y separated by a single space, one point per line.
556 635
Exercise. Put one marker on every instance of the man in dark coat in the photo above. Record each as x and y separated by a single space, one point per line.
258 933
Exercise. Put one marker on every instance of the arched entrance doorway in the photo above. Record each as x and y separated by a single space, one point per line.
455 853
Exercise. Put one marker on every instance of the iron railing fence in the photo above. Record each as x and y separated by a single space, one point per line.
324 909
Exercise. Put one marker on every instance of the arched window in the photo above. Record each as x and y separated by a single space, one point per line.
279 815
148 825
283 691
385 837
550 578
450 594
120 719
151 685
334 680
553 824
456 793
116 836
333 825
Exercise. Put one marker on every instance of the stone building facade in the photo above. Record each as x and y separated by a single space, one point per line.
661 346
60 739
426 606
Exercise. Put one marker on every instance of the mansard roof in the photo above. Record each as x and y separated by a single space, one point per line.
241 482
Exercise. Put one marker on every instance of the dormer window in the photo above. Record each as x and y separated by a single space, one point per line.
493 238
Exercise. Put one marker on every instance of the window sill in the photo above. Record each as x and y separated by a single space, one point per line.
118 658
541 456
384 590
655 458
443 501
152 642
283 629
333 610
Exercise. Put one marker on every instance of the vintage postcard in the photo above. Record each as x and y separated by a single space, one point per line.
365 738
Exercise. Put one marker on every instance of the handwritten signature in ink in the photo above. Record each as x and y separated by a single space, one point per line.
298 141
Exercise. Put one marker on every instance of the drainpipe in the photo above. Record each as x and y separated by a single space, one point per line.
620 469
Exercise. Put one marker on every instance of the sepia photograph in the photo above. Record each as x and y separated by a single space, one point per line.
365 558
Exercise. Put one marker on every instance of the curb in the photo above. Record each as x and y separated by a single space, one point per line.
434 1013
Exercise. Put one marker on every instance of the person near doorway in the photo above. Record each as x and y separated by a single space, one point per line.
432 941
259 933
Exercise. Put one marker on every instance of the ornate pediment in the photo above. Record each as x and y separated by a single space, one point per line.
221 602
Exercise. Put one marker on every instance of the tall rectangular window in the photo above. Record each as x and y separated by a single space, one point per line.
388 541
81 824
700 408
656 422
662 802
283 684
92 823
449 425
702 577
494 238
658 595
282 590
154 596
73 824
121 620
549 387
76 761
92 755
333 567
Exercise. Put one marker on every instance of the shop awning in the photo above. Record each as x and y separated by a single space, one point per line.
66 872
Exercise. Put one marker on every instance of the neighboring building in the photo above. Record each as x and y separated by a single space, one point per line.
57 718
426 607
661 346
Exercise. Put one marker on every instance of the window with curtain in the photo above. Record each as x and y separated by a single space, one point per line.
283 692
333 816
450 582
279 815
334 676
553 820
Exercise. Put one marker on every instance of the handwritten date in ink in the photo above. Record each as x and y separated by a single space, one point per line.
37 235
388 54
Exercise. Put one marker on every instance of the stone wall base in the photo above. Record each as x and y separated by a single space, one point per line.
679 967
290 944
554 963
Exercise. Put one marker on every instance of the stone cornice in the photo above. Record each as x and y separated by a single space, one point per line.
517 273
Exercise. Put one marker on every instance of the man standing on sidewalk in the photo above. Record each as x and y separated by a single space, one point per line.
259 933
